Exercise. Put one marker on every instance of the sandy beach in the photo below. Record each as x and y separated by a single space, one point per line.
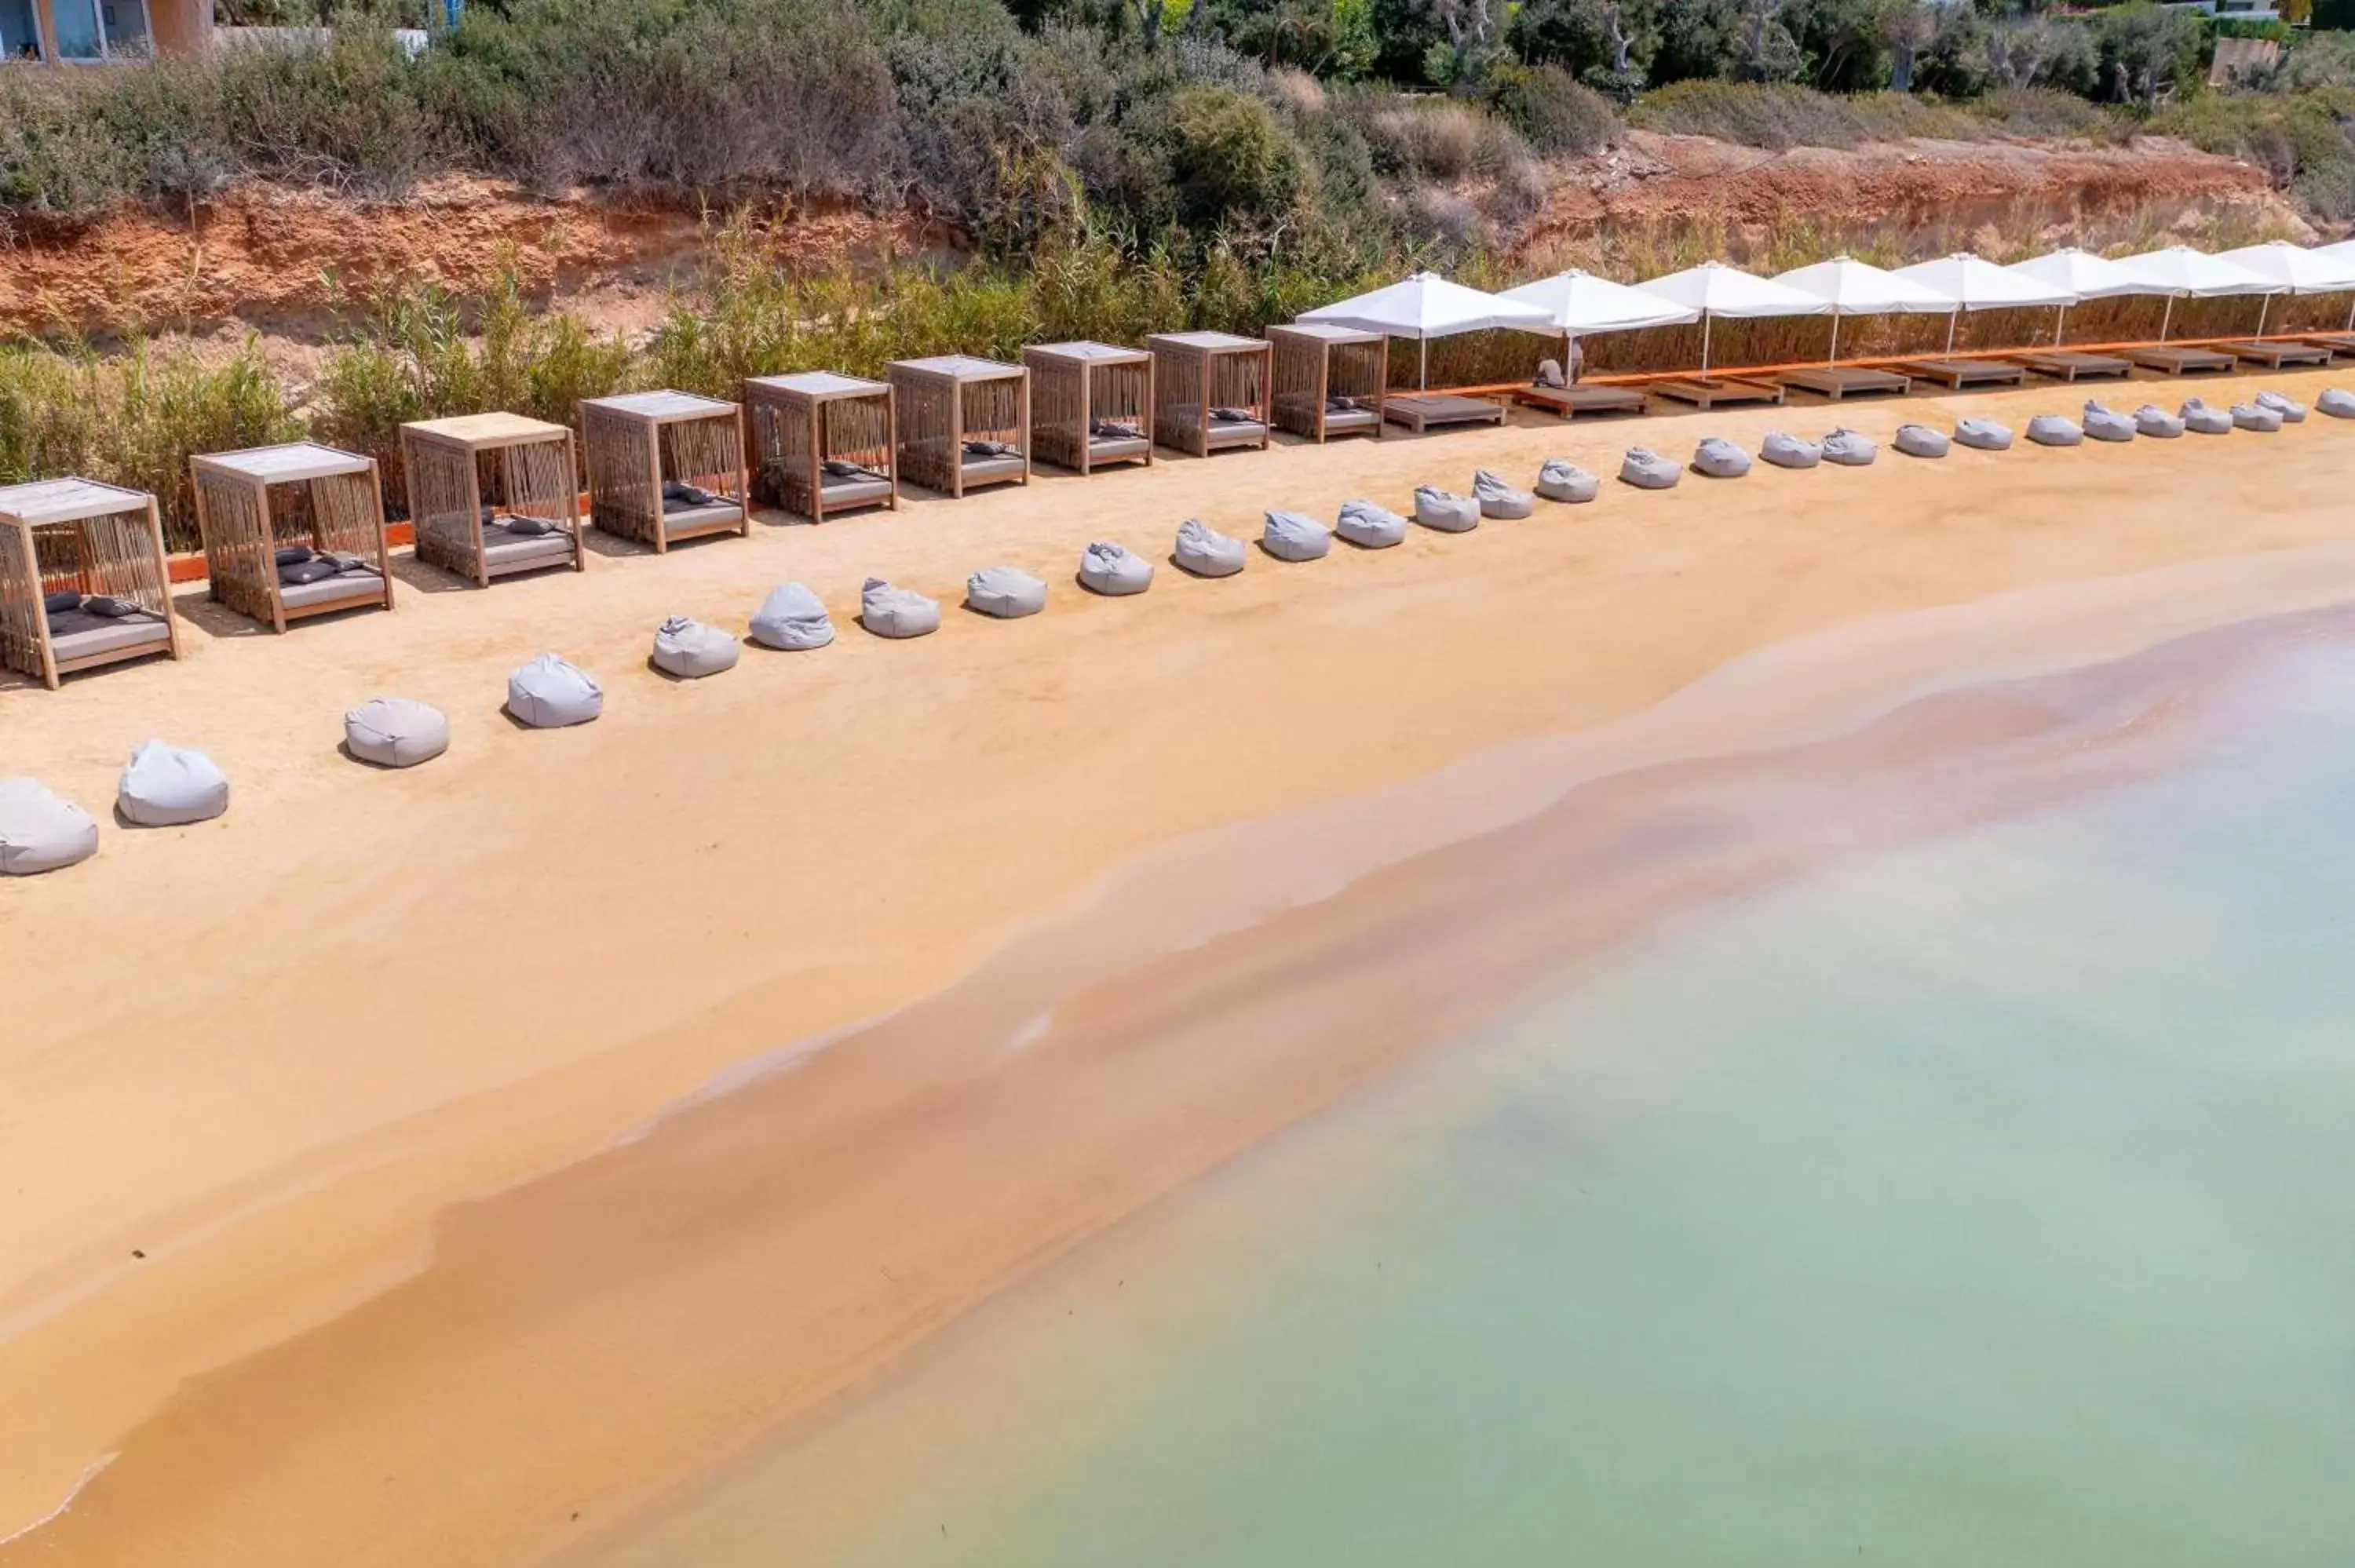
312 1254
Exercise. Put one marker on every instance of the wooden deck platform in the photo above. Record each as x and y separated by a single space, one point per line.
2067 364
2341 344
1707 392
1838 381
2173 361
1419 411
2275 356
1961 372
1570 401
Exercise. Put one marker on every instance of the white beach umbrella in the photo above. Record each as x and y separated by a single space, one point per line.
2297 270
1716 290
1426 306
2182 273
1978 285
2084 274
1856 288
1580 303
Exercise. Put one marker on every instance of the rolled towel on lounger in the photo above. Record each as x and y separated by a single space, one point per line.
1113 569
1720 459
2052 430
395 732
1499 499
2337 402
1369 526
1921 442
2202 418
1983 435
2103 424
1849 448
2291 410
1647 470
41 831
548 694
690 650
896 612
1205 552
1785 450
1559 479
1444 510
1005 593
166 785
2156 422
792 619
1289 537
2250 417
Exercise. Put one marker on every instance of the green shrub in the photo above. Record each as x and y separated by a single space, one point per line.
2301 139
1555 113
1778 115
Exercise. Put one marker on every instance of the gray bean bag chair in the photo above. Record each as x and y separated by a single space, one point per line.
170 786
2052 430
2204 419
2337 402
792 619
1848 449
40 832
1789 451
1369 526
2102 424
394 732
1720 459
1444 510
1499 499
690 650
2156 422
2250 417
1559 479
1113 569
1289 537
2292 411
1205 552
1647 470
896 612
548 694
1921 440
1983 435
1007 594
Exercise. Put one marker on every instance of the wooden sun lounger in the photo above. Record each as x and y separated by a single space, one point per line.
1568 401
1959 373
2341 344
2067 364
1419 411
2274 355
2170 361
1838 381
1707 392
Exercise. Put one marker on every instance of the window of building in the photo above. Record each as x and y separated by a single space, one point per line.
20 33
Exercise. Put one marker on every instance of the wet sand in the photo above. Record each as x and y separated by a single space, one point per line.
270 1052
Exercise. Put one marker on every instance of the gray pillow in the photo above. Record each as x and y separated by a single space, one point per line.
292 555
1005 593
110 607
1289 537
166 785
1369 526
311 571
792 619
40 832
62 602
1205 552
529 527
1113 569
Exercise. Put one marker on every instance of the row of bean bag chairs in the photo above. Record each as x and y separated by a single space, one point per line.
1559 479
889 611
550 693
2203 418
1921 442
1647 470
1444 510
1499 499
2052 430
2105 424
1369 526
687 650
1114 570
1005 593
1205 552
1289 537
40 830
2337 402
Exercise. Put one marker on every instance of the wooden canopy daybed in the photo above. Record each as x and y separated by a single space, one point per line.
301 498
1090 404
963 421
1329 380
824 443
1212 388
79 538
491 495
666 467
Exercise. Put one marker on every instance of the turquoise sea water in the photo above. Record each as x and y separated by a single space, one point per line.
1986 1202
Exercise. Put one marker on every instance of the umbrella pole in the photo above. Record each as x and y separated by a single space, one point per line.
2351 315
2167 318
1704 345
1835 356
2060 318
2264 308
1954 319
1423 365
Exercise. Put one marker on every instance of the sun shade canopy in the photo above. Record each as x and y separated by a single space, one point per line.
1577 302
1854 287
1426 306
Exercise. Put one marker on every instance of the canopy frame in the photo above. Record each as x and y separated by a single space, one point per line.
253 503
457 469
637 442
800 423
1198 372
1076 386
1313 363
92 538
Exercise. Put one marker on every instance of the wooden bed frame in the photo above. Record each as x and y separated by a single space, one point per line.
92 538
1073 386
1315 362
638 442
799 423
341 508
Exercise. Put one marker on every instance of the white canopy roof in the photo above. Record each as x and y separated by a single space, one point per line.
1579 302
1854 287
1715 289
1427 305
2084 274
2295 268
2179 270
2338 250
1972 285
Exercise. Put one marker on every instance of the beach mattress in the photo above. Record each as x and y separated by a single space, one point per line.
505 551
1113 569
41 831
1720 459
986 469
1789 451
1499 499
681 519
1005 593
1444 510
2291 410
2337 402
792 619
1647 470
690 650
166 785
1289 537
1351 420
1921 442
1235 432
1848 449
2152 421
548 694
1559 479
1205 552
2250 417
1369 526
396 732
2052 430
896 612
1110 449
2102 424
1983 435
76 634
854 490
2203 419
360 586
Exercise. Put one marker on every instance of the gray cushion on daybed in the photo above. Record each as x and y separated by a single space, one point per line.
1444 510
792 619
2202 418
548 694
2103 424
1369 527
507 550
396 732
78 634
1647 470
690 650
166 785
1289 537
1983 435
2291 410
2150 420
2338 402
2052 430
1113 569
1559 479
1849 448
1921 440
1789 451
40 832
360 588
1207 553
1005 593
888 611
2250 417
1499 499
1720 459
